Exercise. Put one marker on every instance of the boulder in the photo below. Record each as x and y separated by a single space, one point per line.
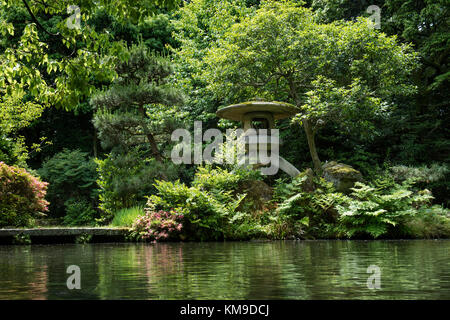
258 192
341 175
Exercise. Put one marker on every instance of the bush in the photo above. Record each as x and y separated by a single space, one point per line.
21 196
125 181
209 178
382 208
72 176
431 222
158 225
79 212
126 217
205 215
212 206
435 177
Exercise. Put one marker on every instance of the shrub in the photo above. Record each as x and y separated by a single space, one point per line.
72 176
433 173
382 208
435 177
125 180
21 196
433 222
79 212
126 217
158 225
212 206
209 178
205 215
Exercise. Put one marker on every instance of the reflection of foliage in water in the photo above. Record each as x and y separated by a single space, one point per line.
229 270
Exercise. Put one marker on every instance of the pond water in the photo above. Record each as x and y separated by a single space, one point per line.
231 270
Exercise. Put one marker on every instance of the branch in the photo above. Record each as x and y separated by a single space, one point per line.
38 23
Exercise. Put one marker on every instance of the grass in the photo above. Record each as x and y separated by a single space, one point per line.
126 217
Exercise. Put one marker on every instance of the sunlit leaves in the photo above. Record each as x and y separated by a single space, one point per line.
336 71
89 55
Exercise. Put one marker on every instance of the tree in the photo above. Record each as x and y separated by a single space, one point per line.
84 53
341 72
13 118
134 106
49 67
72 177
130 116
198 25
417 130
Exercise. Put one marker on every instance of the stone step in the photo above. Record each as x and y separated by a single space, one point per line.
69 231
53 235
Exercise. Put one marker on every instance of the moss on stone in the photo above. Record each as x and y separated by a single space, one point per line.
341 175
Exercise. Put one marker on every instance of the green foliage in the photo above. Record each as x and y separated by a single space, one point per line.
229 187
22 196
127 216
72 176
382 208
79 212
130 116
13 118
415 132
212 205
83 238
206 216
315 210
433 222
125 180
82 54
361 94
158 225
198 25
378 212
274 55
221 179
22 239
13 150
433 173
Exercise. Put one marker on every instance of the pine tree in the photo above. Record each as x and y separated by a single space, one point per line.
127 114
131 116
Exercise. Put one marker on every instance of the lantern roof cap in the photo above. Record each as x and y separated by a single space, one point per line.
280 110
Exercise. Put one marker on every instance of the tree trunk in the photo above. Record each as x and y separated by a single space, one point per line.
312 147
154 147
308 129
151 139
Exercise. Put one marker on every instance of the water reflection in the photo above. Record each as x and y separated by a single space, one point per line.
234 270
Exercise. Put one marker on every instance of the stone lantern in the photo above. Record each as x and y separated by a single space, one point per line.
259 115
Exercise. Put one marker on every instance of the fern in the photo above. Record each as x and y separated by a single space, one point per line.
377 210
